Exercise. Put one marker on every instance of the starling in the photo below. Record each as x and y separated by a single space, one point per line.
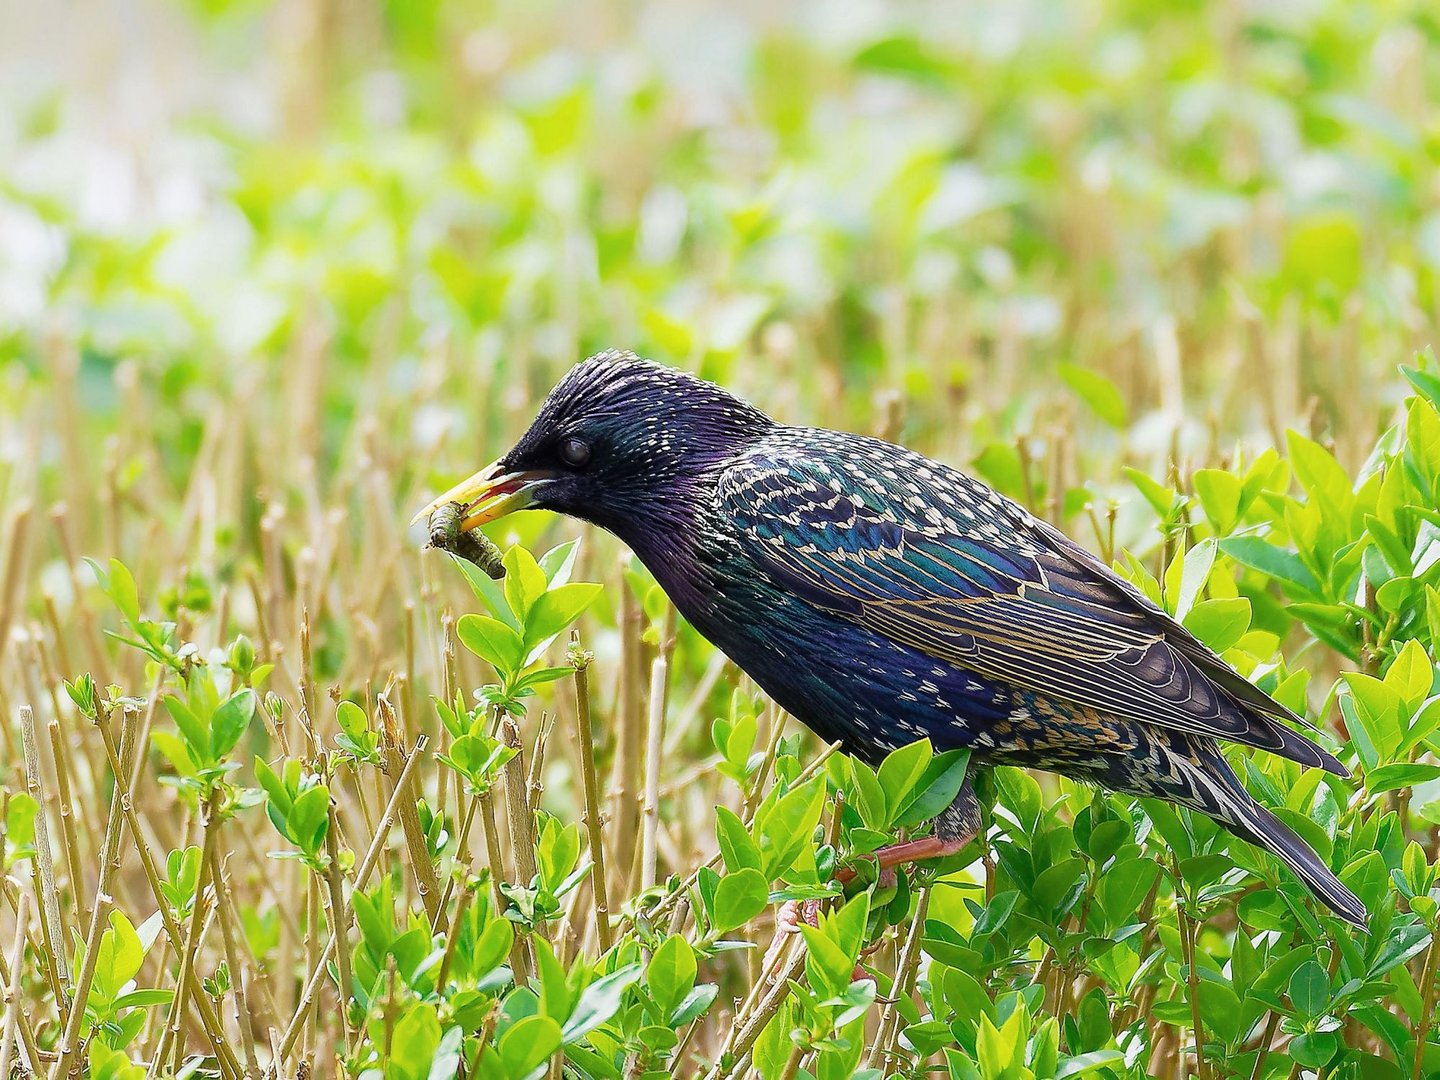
881 597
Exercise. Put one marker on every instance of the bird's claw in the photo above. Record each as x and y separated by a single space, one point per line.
788 919
793 912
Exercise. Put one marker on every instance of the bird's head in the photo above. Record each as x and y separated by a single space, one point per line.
621 442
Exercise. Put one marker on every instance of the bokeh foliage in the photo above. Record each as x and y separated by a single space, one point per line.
271 270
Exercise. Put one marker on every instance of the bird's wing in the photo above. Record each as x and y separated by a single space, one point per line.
933 559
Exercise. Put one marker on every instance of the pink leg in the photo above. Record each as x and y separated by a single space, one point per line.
793 912
931 847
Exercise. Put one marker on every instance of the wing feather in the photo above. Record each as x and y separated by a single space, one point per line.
948 567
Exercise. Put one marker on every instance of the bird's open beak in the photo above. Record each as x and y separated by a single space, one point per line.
488 495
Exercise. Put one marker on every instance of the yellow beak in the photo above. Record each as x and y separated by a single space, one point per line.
487 496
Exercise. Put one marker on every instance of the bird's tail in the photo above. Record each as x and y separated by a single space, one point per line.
1195 773
1250 821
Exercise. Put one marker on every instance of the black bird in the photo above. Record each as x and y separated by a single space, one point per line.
879 597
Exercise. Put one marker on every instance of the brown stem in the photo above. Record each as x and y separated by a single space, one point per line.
12 985
1192 980
517 807
1265 1039
109 864
585 751
377 844
654 739
171 1036
495 856
52 926
1427 1012
339 922
421 866
904 985
123 788
73 858
754 1019
240 996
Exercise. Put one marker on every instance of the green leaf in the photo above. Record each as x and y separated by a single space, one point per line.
847 926
492 947
230 721
865 793
1220 494
1379 710
739 898
1093 388
1194 572
492 641
999 1051
600 1001
524 581
559 562
1310 989
736 846
142 999
785 828
670 975
1411 675
487 590
826 964
1124 886
119 957
1312 1049
415 1037
1219 623
1284 566
1086 1064
197 738
445 1064
899 772
555 999
352 720
275 788
119 585
1322 477
556 610
936 789
1423 381
20 815
694 1005
1162 499
1400 775
308 819
176 751
527 1044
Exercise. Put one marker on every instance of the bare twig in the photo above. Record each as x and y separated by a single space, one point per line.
12 986
585 752
372 855
109 864
52 926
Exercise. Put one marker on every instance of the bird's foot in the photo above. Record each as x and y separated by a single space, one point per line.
793 913
787 921
896 855
788 918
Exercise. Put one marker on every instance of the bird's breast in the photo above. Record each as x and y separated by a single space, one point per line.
838 678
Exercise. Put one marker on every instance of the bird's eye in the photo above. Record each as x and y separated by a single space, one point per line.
575 452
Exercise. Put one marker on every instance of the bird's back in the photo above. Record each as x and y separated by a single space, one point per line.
917 555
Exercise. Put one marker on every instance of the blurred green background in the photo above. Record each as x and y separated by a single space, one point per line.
1181 221
272 272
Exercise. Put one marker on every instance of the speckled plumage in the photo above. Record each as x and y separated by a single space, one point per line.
879 596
